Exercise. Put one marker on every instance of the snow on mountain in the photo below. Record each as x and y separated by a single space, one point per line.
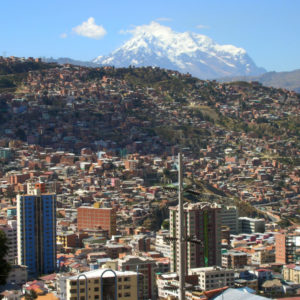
158 45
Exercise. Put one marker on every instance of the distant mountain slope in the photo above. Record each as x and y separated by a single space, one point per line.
157 45
287 80
66 60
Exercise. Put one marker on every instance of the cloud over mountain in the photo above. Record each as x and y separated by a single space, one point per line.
90 29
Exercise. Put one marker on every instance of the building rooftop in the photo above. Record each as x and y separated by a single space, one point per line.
97 273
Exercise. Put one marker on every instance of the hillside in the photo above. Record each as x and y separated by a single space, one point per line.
13 71
288 80
241 140
154 107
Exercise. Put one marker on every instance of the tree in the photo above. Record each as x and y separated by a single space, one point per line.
165 224
4 265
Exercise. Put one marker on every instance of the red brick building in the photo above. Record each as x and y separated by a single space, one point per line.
93 218
287 246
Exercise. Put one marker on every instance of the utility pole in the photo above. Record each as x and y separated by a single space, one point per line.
181 239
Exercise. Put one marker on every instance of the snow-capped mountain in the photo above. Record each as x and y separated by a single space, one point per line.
158 45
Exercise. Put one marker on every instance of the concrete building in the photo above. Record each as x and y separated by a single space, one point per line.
229 218
49 187
251 225
162 245
93 218
10 230
17 275
234 259
140 243
287 246
5 153
263 256
36 232
203 233
291 272
213 277
145 266
88 285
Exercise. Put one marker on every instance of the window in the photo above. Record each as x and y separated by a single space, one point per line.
127 295
96 281
127 279
72 291
96 289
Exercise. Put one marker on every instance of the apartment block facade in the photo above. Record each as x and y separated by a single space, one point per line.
94 218
89 285
10 230
202 232
36 233
287 247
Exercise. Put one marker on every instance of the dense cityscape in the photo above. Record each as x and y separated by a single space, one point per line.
89 185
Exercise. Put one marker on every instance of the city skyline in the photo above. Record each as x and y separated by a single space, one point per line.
266 30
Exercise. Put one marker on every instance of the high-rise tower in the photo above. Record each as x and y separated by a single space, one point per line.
202 235
36 217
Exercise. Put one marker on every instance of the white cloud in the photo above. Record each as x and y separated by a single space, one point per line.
90 29
122 31
163 19
201 26
63 36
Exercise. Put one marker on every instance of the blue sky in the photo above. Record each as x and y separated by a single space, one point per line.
269 30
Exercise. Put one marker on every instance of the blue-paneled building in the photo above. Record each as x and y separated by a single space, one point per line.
36 215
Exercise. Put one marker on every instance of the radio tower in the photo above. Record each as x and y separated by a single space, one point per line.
181 239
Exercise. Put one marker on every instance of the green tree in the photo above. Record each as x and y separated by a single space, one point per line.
4 265
165 224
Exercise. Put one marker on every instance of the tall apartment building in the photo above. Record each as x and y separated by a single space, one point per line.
10 230
88 285
203 229
36 232
287 245
229 218
94 218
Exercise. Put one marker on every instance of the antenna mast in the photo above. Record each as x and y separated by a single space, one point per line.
181 239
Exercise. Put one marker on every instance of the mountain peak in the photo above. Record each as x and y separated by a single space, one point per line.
158 45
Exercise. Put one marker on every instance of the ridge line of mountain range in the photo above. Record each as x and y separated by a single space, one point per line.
289 80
